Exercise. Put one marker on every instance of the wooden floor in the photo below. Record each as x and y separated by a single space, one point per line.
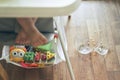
94 20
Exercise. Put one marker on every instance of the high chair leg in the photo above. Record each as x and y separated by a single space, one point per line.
61 33
67 59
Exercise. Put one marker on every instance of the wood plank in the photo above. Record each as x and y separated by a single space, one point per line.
118 53
116 31
98 62
30 73
117 75
75 65
81 63
112 62
60 71
15 72
99 68
56 72
3 74
111 75
85 69
46 73
108 40
39 74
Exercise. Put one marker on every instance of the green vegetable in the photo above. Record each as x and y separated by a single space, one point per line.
29 56
46 47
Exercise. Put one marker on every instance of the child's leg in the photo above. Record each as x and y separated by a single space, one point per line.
34 20
31 32
22 38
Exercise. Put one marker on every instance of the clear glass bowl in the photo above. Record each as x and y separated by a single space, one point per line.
83 49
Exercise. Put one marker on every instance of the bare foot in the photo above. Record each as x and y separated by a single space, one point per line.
22 38
30 32
37 39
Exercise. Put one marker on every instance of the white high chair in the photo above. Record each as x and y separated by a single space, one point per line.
42 8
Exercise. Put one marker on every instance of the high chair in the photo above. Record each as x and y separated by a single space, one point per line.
50 11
